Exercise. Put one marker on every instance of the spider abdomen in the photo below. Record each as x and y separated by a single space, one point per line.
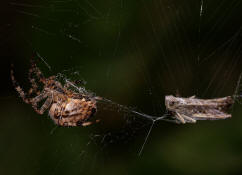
73 112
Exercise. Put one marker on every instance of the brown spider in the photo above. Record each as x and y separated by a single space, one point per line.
66 107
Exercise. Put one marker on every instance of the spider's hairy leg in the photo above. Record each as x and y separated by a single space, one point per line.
34 101
53 84
37 71
46 104
58 85
40 97
18 88
34 88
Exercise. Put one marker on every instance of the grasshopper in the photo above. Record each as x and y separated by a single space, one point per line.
189 110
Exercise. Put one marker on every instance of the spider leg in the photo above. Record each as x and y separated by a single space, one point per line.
51 80
40 97
59 87
70 84
56 85
22 94
37 71
34 88
75 83
37 99
67 85
46 105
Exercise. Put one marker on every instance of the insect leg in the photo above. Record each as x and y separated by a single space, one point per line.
180 118
192 97
188 119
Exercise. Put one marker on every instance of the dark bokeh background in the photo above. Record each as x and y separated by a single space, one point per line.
134 53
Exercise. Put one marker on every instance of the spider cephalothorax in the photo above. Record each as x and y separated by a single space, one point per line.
66 107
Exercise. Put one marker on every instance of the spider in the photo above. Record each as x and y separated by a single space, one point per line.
66 107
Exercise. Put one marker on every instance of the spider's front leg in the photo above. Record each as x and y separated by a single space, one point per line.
34 88
74 83
78 85
36 70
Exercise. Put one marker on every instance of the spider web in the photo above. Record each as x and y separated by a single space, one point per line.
131 53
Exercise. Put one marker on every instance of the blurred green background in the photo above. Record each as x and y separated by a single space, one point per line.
133 53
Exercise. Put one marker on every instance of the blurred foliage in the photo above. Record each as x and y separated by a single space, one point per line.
134 53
